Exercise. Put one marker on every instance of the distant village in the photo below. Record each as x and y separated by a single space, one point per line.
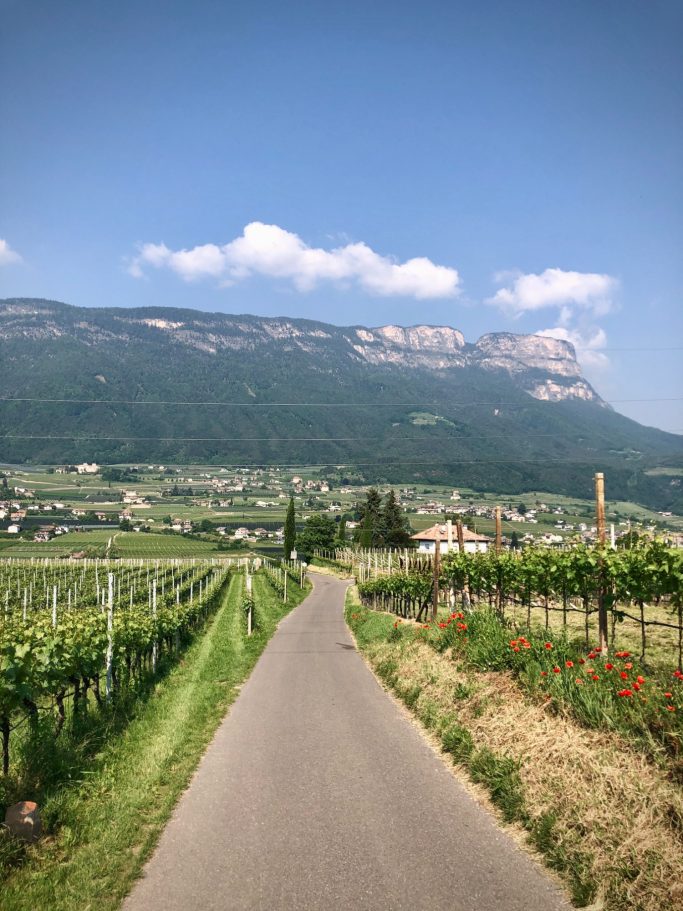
222 489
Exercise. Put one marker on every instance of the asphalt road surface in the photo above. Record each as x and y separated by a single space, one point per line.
317 793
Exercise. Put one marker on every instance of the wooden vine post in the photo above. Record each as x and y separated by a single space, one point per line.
461 549
601 536
437 566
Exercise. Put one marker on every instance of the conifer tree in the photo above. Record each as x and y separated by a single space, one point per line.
394 531
290 529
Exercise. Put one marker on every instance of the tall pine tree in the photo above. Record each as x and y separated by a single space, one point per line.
371 520
290 529
395 530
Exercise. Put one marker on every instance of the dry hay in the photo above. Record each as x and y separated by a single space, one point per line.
608 801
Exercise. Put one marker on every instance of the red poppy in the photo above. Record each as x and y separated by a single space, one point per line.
668 695
623 675
582 660
548 645
516 648
513 643
640 679
671 708
569 664
579 680
556 670
544 673
628 665
608 666
595 677
624 693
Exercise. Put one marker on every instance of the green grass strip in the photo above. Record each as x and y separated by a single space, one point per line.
108 823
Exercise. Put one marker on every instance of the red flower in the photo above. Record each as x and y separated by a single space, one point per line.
628 665
556 670
623 675
640 679
671 708
608 666
544 673
513 643
636 686
579 680
526 644
595 677
582 660
668 695
548 645
516 648
624 693
569 664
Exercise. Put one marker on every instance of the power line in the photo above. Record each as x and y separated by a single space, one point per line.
158 439
389 463
315 404
610 350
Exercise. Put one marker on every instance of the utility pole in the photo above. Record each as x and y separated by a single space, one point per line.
499 531
603 627
600 506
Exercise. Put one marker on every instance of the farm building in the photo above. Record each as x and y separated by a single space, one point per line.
448 539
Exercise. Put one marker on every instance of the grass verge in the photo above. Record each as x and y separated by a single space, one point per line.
103 824
609 821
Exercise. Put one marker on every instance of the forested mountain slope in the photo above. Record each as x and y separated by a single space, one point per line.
509 412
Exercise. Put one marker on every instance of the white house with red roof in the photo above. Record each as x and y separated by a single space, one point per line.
447 537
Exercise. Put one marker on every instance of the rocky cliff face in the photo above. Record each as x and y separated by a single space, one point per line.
546 368
527 356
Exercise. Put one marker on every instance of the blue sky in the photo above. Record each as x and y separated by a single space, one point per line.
492 166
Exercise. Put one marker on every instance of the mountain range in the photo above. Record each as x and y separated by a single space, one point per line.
402 404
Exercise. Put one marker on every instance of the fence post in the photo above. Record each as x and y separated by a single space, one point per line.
110 640
250 619
603 626
437 561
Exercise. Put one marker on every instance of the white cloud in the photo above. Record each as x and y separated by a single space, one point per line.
7 254
271 251
587 344
566 291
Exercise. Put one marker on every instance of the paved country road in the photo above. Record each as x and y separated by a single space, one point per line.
317 793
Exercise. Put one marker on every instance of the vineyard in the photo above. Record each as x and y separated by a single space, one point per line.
641 588
74 635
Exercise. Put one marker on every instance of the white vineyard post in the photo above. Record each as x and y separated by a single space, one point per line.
54 606
110 640
250 619
154 617
285 595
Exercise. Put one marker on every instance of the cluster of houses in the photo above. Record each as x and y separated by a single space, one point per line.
254 534
301 486
84 468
